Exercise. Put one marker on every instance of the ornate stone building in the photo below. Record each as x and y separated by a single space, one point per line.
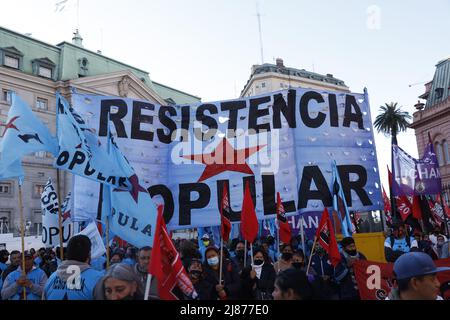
35 70
273 77
433 117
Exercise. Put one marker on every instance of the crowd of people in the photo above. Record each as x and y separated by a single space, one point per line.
251 272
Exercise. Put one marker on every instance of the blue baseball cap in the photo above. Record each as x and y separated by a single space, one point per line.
415 264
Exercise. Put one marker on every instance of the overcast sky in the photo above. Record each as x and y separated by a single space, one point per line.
207 47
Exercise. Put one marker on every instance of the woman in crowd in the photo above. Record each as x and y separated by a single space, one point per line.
286 258
292 284
119 283
258 279
229 288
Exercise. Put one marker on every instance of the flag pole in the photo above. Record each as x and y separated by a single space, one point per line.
278 246
302 235
22 236
107 242
221 260
251 252
147 286
245 254
61 243
312 252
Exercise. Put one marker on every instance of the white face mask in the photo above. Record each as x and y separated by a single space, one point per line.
213 261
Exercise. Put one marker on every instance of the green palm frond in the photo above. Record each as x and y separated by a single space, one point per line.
392 120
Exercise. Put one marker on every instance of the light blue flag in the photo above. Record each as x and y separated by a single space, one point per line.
24 134
131 213
235 230
339 203
82 153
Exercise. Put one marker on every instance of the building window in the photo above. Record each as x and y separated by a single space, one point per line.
439 153
263 85
11 62
37 229
7 96
5 188
11 57
37 190
45 72
42 104
43 68
446 152
439 92
5 219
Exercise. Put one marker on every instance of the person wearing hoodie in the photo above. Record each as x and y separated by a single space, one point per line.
74 279
442 247
415 274
33 282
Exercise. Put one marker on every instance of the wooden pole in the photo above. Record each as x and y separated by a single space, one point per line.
278 246
221 260
147 286
61 242
312 252
22 236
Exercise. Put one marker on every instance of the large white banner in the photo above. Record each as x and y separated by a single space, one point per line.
280 142
50 222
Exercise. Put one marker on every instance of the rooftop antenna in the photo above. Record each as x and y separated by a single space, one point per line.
78 14
260 32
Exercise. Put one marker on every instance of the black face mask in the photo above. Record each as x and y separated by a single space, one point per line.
297 265
196 273
258 262
351 252
286 256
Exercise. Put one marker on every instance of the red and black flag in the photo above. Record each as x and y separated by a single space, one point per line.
326 238
166 266
283 225
225 223
249 221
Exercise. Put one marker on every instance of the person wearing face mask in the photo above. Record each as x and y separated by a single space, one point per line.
344 273
435 234
398 243
442 247
259 278
285 262
230 286
204 289
239 254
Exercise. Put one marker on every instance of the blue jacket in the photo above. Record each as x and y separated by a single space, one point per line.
345 277
12 291
64 285
3 267
98 263
129 261
322 265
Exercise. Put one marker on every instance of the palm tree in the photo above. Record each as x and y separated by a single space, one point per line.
392 120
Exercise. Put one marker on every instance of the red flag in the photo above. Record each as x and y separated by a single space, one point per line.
403 204
225 225
417 211
283 225
326 238
436 212
166 265
375 279
249 222
387 206
444 205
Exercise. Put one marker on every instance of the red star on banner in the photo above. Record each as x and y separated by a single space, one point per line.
135 188
224 158
10 125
